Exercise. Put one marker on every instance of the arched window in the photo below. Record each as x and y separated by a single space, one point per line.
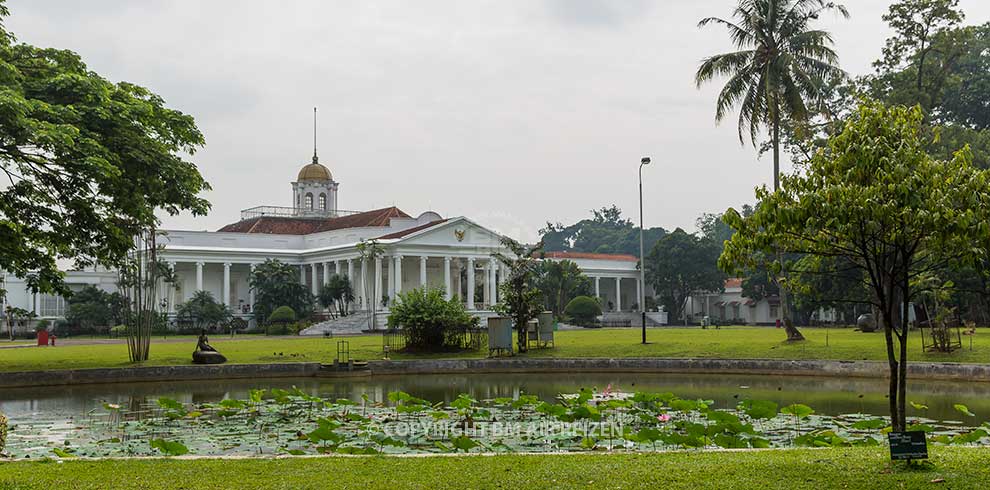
309 202
323 202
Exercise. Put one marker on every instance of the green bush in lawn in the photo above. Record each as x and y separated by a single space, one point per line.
118 331
583 310
3 431
430 322
279 319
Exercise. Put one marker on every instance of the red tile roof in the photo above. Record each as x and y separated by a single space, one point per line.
410 231
592 256
277 225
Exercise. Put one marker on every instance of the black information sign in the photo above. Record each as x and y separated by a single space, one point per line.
908 445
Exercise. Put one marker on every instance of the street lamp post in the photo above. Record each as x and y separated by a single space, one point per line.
642 261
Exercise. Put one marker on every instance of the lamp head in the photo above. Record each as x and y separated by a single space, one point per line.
645 161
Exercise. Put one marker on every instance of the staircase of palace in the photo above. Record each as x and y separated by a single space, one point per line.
352 324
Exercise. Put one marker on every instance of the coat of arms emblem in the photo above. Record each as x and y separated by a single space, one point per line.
459 234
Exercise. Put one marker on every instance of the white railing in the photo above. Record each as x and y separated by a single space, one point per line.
287 212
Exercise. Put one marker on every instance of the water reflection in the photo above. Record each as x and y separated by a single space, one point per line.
830 396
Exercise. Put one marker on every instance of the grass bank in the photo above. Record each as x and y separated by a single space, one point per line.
725 343
849 468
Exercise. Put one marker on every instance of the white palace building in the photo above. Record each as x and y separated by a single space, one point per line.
320 239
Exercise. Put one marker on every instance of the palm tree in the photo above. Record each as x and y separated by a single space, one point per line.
778 74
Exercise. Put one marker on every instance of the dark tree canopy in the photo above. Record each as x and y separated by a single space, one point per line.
606 232
276 284
86 162
680 264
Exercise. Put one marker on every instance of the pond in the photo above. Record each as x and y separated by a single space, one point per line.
53 415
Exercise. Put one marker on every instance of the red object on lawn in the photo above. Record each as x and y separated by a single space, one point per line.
43 338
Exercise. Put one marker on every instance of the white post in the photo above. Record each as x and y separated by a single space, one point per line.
598 288
486 288
470 283
302 274
336 267
639 295
376 295
199 276
446 278
226 284
315 287
422 271
326 273
618 294
398 276
350 271
391 279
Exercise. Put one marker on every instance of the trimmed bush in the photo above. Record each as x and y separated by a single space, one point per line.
118 331
282 314
583 310
429 322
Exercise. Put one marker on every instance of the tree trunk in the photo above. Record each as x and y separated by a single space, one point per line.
793 334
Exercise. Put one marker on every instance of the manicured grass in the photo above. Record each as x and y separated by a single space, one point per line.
728 342
859 468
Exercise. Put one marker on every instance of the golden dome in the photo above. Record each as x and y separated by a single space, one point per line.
314 171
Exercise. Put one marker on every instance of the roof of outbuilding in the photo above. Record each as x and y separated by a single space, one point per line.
591 256
278 225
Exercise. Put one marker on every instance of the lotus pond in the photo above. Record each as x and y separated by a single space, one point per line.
491 413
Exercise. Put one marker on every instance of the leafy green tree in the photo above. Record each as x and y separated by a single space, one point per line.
778 74
561 281
89 308
879 202
430 322
583 310
275 284
203 311
87 163
606 232
16 316
519 294
680 264
336 294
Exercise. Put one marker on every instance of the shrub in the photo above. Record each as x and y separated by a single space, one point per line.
118 331
279 319
430 322
583 310
42 326
3 431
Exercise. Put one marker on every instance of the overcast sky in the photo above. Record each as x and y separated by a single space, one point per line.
510 112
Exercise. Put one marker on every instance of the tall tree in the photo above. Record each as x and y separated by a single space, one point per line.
519 297
89 307
86 162
876 200
560 282
680 264
778 74
606 232
275 284
203 311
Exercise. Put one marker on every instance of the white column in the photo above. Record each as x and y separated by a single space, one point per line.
350 271
598 287
446 278
492 286
486 289
226 284
302 274
251 289
199 276
390 280
470 283
618 294
364 283
336 267
398 275
499 276
376 294
171 289
326 272
422 271
315 287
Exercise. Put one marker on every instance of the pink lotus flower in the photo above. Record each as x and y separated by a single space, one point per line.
663 417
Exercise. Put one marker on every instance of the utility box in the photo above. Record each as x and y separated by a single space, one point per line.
42 337
499 335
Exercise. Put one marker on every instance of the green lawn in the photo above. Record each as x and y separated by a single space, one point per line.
728 342
860 468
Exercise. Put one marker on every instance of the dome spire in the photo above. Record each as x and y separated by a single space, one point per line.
316 159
